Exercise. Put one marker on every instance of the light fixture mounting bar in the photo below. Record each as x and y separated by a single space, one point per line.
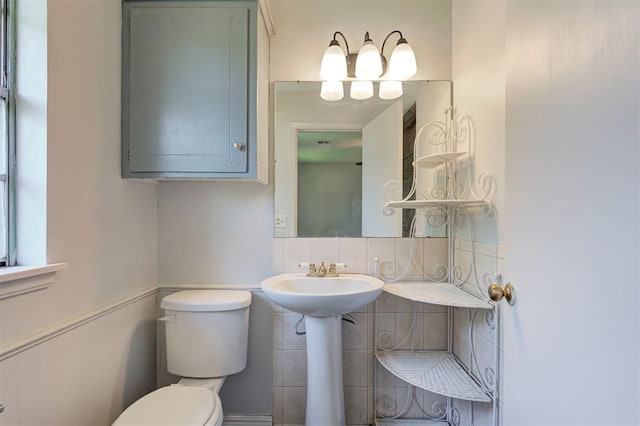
402 40
343 38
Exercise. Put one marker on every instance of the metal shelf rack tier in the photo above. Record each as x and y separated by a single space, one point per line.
435 371
407 422
437 293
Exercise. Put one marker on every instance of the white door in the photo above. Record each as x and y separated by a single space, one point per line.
381 163
572 210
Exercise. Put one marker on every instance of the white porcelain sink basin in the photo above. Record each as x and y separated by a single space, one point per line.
322 297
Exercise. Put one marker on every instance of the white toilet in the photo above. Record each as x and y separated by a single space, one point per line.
206 340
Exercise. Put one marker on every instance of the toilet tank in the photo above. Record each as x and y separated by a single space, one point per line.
206 332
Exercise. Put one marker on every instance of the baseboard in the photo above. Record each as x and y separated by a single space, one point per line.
245 420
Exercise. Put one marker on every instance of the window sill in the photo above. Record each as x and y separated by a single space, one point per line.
17 280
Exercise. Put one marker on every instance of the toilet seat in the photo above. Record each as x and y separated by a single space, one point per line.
174 405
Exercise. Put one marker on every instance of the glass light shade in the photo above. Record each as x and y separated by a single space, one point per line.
369 63
332 90
361 89
402 64
334 64
390 89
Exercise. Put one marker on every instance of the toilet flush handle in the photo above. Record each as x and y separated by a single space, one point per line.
170 318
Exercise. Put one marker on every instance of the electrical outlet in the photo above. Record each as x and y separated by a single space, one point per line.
281 221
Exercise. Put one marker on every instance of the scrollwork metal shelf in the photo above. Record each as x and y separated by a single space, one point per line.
436 160
408 422
421 204
437 293
435 371
444 189
450 150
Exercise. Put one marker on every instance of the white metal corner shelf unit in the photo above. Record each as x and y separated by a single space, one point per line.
438 371
444 189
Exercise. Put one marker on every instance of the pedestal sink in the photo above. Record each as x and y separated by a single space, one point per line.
323 301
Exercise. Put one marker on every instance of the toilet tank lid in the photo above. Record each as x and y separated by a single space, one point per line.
170 405
206 300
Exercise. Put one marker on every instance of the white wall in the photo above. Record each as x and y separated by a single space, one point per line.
85 376
102 226
305 28
214 233
478 69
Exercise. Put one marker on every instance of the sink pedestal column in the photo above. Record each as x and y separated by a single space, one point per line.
325 396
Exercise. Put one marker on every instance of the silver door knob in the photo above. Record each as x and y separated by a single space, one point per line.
496 293
238 146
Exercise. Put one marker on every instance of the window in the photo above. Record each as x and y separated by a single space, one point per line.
7 136
23 130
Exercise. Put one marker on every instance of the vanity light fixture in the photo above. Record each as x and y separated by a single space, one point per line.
361 89
390 89
402 64
369 61
331 90
368 65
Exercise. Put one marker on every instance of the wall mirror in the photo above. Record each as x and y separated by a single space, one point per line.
332 159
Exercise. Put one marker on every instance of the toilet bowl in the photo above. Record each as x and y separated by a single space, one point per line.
206 340
183 404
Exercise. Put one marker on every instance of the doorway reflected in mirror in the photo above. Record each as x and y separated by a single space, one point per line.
329 183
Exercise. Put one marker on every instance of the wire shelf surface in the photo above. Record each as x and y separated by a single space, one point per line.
446 294
407 422
435 160
435 371
420 204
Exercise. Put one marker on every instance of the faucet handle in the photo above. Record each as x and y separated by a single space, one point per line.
333 269
312 268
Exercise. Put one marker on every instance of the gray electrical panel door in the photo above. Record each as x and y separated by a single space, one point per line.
186 98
